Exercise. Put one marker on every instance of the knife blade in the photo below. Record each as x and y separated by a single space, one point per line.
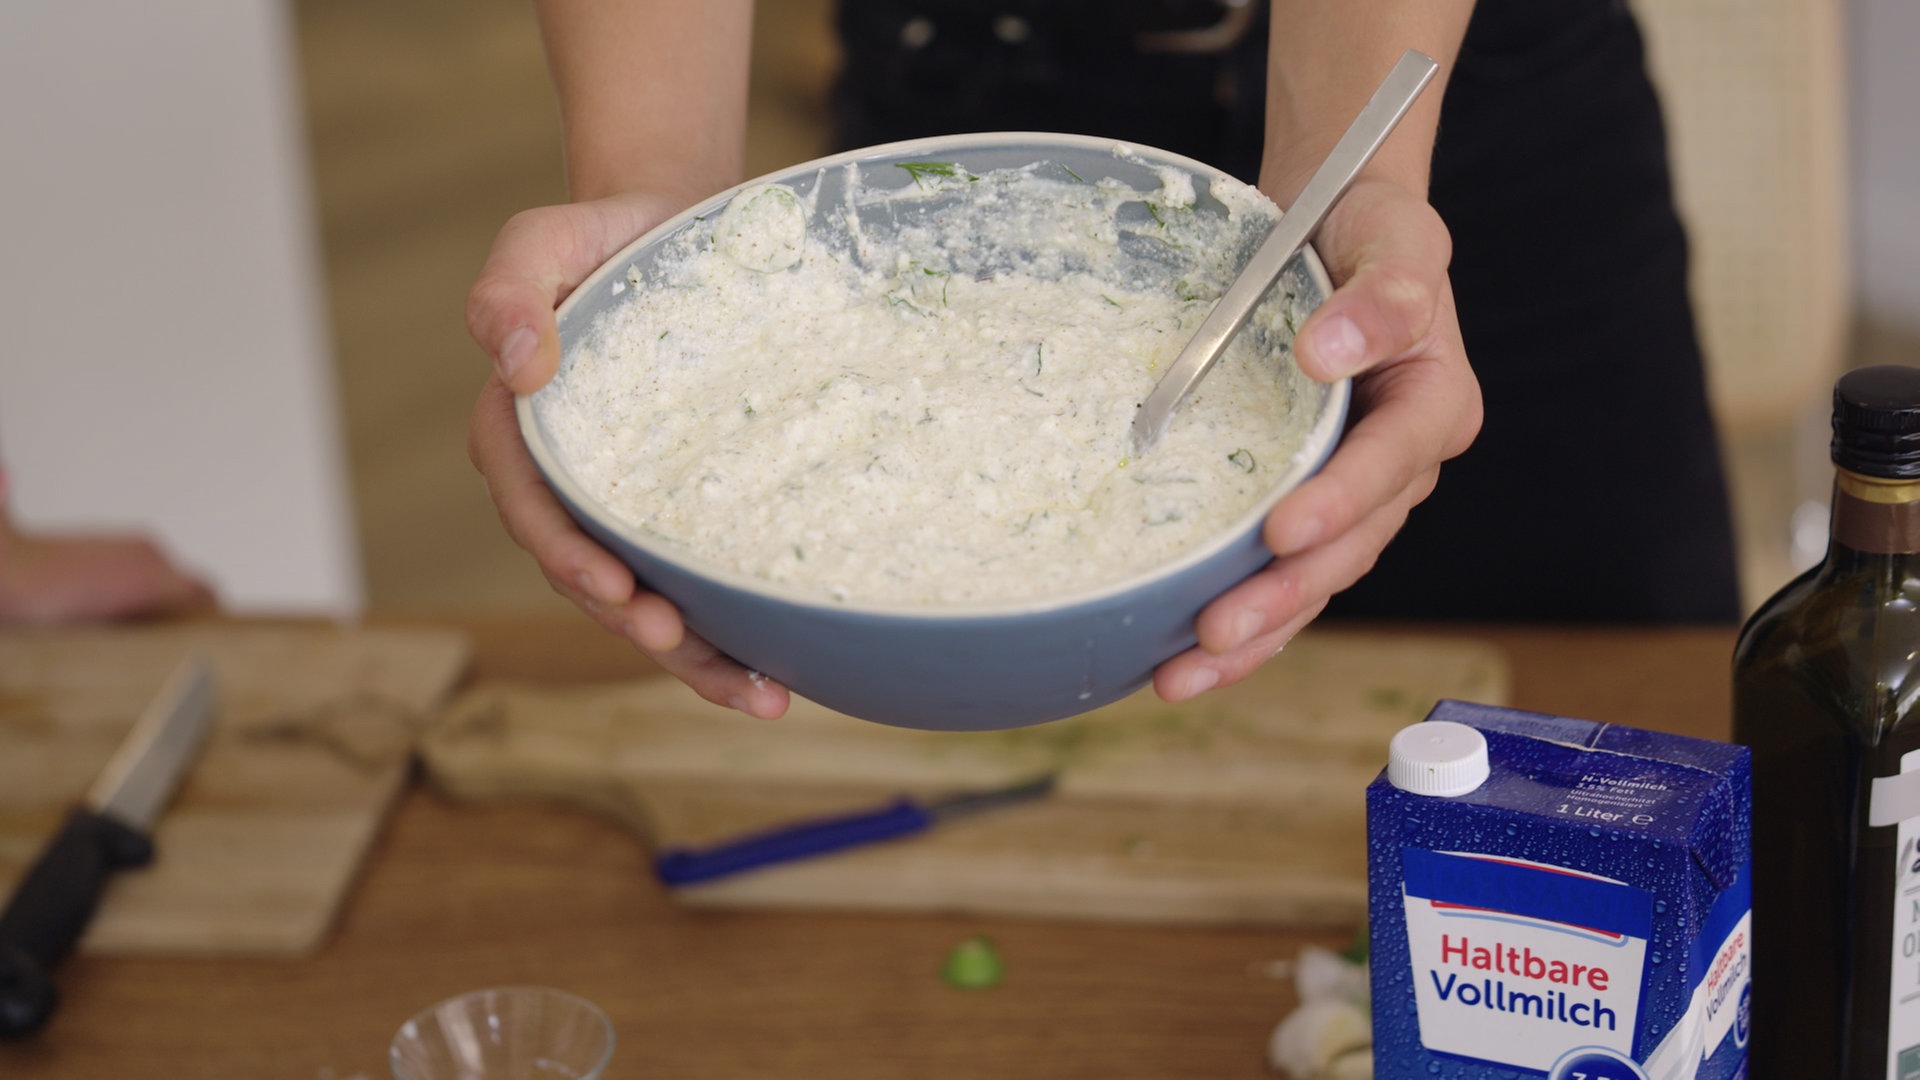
111 830
902 817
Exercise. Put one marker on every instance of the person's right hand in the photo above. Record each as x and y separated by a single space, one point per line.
538 258
61 580
53 580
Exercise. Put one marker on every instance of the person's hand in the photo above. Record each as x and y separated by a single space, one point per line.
1391 324
51 580
539 257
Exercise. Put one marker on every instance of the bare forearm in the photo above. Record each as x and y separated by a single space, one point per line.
1326 58
653 93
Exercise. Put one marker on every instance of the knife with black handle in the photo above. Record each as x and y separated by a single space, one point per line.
108 832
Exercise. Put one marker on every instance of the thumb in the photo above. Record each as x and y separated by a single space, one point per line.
1389 253
510 306
538 258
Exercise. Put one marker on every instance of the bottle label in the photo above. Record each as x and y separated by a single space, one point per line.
1903 1000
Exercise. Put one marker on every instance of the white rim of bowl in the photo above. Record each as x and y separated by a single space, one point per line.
1316 448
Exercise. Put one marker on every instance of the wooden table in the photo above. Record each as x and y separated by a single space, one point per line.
459 897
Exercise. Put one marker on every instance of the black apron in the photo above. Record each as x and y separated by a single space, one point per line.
1595 491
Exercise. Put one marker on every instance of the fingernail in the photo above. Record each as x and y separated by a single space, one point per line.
515 352
739 704
1340 346
1199 683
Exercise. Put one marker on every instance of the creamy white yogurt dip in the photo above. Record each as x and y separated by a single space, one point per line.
921 395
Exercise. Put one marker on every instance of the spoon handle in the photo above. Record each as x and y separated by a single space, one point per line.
1382 113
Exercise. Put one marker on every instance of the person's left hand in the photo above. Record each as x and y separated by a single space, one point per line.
1390 324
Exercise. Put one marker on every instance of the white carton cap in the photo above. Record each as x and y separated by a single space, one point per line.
1438 757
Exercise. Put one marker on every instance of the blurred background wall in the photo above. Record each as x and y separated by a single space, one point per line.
166 365
1884 81
399 136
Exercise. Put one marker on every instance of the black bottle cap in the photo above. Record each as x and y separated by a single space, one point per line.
1876 421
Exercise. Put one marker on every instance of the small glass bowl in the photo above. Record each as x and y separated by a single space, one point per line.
505 1033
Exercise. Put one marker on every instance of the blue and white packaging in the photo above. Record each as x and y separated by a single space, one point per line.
1554 897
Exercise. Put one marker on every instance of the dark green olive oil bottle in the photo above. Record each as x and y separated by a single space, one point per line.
1825 681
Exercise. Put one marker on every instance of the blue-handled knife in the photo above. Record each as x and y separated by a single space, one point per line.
902 817
111 830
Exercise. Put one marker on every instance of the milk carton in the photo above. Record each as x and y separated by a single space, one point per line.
1553 897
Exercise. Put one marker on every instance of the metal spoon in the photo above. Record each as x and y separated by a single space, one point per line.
1383 111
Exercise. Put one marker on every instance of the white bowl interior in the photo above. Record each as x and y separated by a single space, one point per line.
850 182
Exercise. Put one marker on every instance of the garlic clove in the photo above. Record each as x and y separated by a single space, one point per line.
1320 1031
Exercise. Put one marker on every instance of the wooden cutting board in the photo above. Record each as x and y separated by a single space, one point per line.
311 742
1243 806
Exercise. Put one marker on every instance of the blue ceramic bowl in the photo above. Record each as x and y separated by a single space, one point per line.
947 669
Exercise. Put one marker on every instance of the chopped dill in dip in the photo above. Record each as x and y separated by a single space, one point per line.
920 394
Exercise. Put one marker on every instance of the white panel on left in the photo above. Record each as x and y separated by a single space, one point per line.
164 362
